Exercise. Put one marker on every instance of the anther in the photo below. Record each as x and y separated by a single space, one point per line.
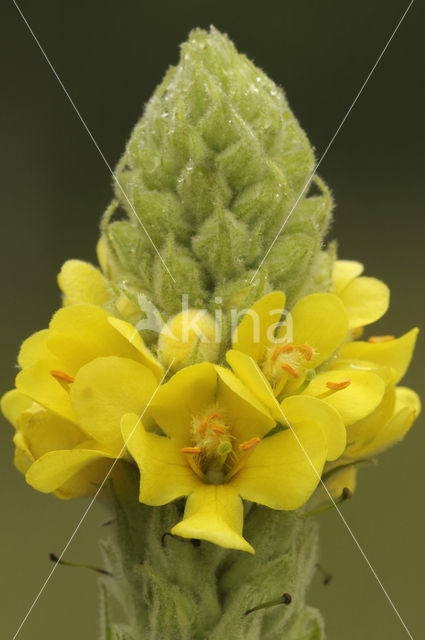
217 429
306 350
61 375
287 348
337 386
245 446
290 369
378 339
192 450
204 421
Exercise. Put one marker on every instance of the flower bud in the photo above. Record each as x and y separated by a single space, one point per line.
189 337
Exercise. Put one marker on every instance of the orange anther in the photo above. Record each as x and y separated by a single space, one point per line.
377 339
217 429
290 369
287 348
204 421
245 446
336 386
192 450
306 350
61 375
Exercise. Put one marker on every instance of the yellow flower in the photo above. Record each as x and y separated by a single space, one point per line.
78 378
81 283
271 359
217 448
365 299
388 423
377 433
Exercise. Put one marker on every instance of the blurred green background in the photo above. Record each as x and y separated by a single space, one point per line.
110 55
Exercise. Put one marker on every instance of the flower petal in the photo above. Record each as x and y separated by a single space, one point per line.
302 408
393 353
104 390
37 382
281 473
406 411
319 320
338 481
34 348
52 470
344 272
365 300
246 414
253 333
130 333
81 333
251 375
164 473
13 404
214 513
364 431
359 399
188 393
82 283
46 431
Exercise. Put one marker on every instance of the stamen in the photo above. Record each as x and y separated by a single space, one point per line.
245 446
204 421
192 450
306 350
378 339
61 375
337 386
287 348
290 369
217 429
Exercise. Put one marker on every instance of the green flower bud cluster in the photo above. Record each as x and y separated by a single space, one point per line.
210 173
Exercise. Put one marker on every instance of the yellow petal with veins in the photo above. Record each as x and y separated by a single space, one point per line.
165 474
255 332
214 513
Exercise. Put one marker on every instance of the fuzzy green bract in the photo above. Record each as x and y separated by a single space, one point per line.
213 170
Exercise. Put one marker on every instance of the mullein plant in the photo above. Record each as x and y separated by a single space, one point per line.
224 397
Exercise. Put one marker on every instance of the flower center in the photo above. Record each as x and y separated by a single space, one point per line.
211 445
213 452
290 358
